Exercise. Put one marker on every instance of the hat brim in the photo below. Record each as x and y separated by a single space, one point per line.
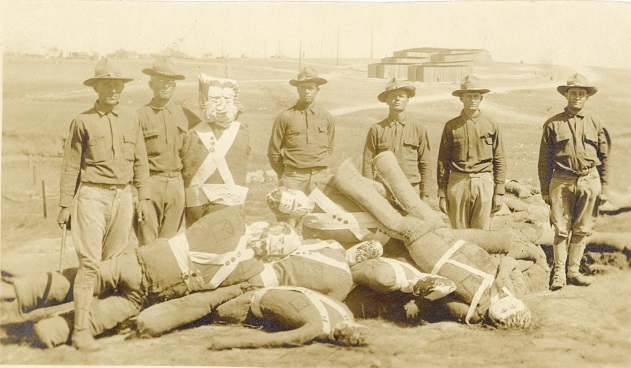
590 90
461 91
296 83
90 82
384 95
150 71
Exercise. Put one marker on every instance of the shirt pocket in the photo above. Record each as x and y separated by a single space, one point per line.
410 149
459 151
129 145
563 145
153 143
591 144
97 149
485 147
293 138
323 135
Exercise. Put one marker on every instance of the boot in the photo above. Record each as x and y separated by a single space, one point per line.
82 338
395 180
577 247
560 256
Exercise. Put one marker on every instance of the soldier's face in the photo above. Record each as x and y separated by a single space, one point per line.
397 100
471 101
576 98
109 91
307 92
162 87
219 106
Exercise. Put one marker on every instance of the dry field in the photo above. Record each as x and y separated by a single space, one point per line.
574 327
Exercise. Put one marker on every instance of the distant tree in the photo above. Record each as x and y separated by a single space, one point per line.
119 54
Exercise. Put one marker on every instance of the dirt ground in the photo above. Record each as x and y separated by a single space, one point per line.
575 326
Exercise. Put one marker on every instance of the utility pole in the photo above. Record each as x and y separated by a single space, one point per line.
371 42
265 49
300 57
337 62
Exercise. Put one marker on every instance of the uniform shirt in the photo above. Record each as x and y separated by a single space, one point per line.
302 138
104 148
194 153
164 129
471 145
407 139
574 144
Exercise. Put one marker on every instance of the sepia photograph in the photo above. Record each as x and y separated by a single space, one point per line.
315 183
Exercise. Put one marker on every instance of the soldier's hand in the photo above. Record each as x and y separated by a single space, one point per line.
546 199
497 203
442 205
142 209
63 217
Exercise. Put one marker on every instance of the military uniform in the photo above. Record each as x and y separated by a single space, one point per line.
572 173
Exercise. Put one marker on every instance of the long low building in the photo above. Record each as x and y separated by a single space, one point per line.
429 64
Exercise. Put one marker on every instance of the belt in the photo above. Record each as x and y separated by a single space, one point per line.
306 169
105 186
473 175
574 173
172 174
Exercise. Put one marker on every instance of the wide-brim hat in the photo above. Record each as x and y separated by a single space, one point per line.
165 67
470 84
307 75
393 85
577 81
106 69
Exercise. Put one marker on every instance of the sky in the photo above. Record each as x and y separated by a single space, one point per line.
574 33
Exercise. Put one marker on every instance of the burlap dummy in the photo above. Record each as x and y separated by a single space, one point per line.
316 265
470 267
306 314
385 275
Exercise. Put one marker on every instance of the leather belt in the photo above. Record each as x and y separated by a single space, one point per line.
106 186
172 174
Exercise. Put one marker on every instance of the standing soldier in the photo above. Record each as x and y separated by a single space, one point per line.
103 155
471 163
164 125
406 138
301 143
215 153
573 174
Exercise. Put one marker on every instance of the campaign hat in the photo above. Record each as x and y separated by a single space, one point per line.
106 69
307 75
164 66
394 85
470 83
577 81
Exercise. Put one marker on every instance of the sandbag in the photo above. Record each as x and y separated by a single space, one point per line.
385 275
316 265
305 315
466 264
175 313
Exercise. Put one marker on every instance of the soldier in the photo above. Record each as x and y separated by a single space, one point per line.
103 155
573 174
301 143
407 138
471 163
164 125
216 152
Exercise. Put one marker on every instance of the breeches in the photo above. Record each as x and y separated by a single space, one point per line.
469 198
573 203
101 226
167 204
304 180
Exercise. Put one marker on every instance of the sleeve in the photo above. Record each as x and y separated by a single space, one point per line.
499 162
71 165
141 165
274 150
370 151
546 157
604 145
443 166
424 162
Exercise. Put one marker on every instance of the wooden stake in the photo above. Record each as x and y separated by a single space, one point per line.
44 198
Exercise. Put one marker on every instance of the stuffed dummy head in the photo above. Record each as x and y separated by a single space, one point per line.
509 312
292 202
278 239
218 100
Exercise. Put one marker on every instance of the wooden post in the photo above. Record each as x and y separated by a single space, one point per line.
44 198
31 166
